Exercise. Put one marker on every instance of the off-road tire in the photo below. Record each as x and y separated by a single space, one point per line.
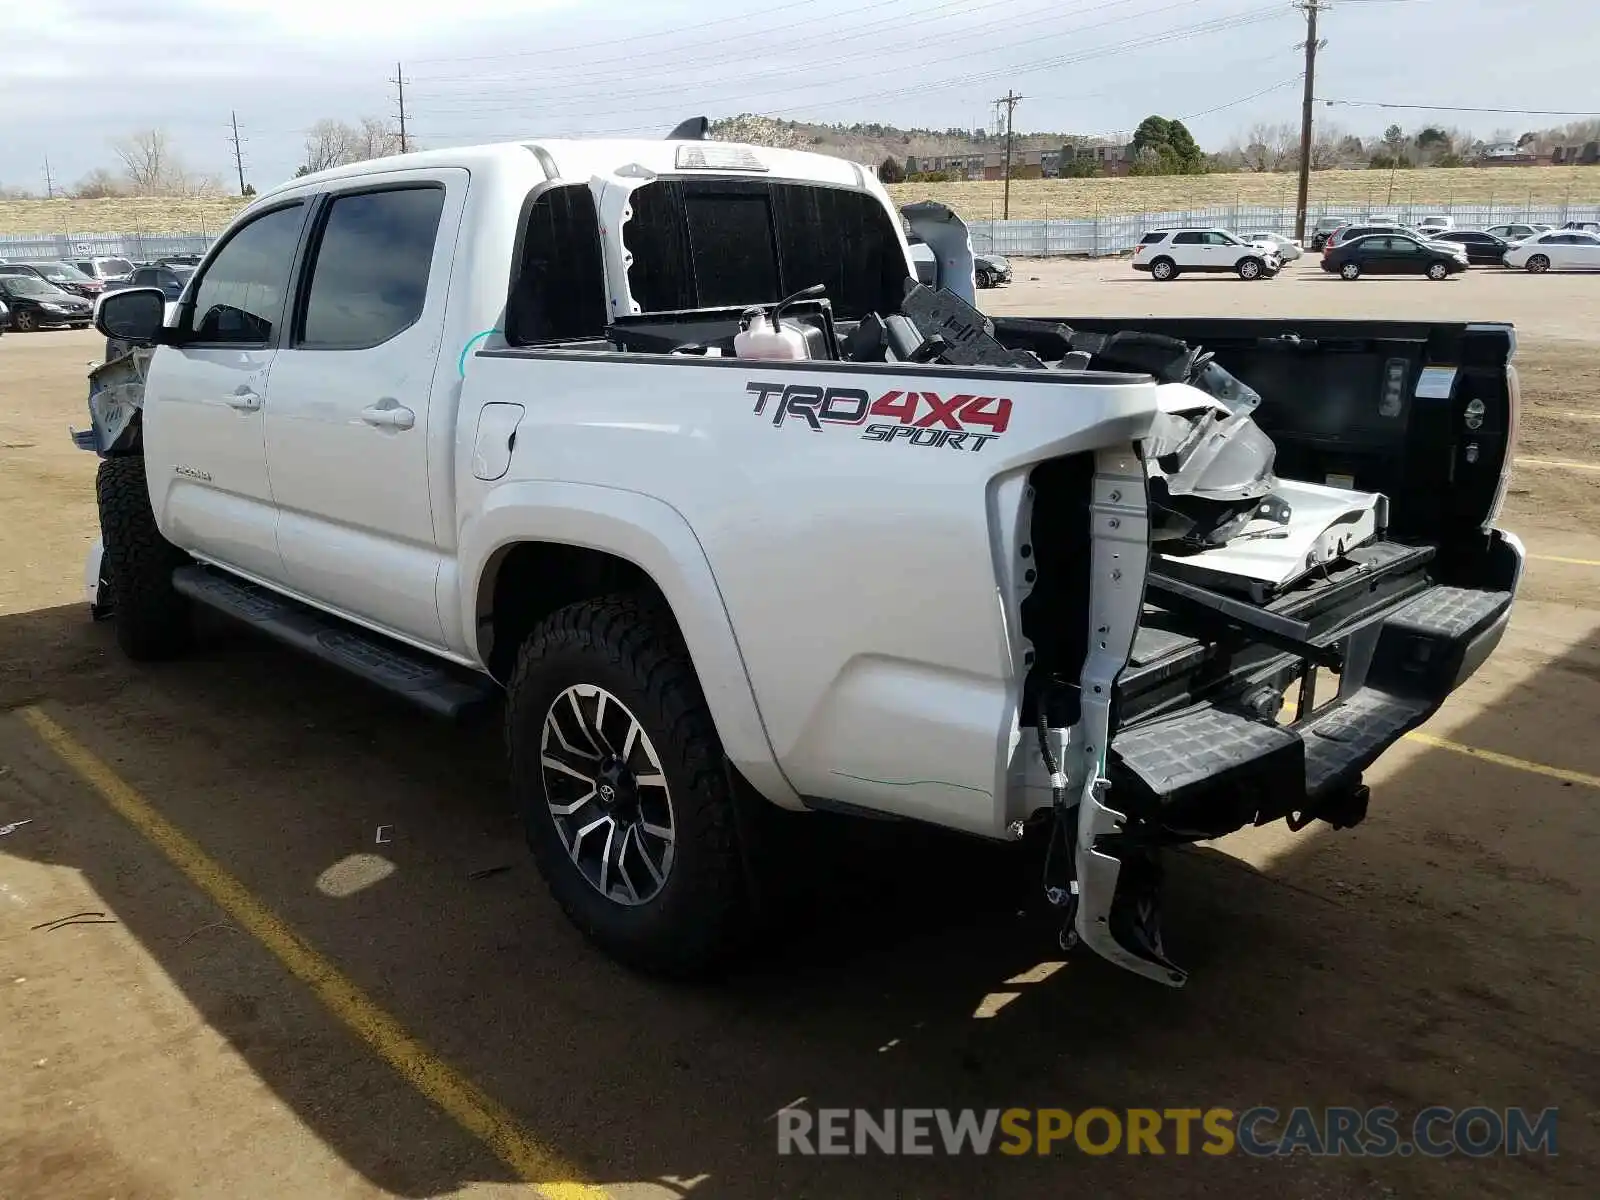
153 620
704 912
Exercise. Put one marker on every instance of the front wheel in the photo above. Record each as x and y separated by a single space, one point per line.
1538 265
1249 269
1438 271
618 774
1350 270
24 321
153 619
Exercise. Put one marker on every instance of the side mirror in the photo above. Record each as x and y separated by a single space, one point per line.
132 314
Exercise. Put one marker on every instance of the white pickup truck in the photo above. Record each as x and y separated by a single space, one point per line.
531 419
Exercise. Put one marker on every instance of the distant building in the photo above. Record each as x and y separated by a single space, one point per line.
1026 163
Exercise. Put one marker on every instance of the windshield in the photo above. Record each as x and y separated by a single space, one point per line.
27 285
61 272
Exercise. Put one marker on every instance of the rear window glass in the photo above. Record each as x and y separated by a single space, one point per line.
727 243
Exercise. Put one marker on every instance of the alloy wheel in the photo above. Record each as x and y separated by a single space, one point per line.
607 794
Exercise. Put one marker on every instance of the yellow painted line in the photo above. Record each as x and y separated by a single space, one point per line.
1576 562
1507 760
1551 462
462 1100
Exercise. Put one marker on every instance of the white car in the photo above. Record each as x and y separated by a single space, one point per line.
1518 232
1168 253
1558 250
1435 224
1286 248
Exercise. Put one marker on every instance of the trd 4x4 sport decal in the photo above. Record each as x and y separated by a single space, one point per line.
963 422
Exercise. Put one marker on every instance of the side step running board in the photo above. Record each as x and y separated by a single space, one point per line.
440 688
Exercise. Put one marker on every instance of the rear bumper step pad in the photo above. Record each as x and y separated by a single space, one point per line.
1249 765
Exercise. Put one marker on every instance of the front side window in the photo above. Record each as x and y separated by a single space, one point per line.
240 297
369 274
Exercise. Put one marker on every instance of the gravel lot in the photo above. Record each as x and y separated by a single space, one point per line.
1442 953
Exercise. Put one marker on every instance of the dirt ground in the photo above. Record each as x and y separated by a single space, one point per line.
1442 953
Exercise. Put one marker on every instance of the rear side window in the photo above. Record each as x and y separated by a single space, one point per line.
1189 239
1153 239
240 296
558 289
369 273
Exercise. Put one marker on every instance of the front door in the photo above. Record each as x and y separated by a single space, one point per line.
204 445
348 422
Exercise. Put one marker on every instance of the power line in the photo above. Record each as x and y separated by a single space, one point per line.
1526 112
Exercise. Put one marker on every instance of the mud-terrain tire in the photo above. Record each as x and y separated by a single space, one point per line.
653 724
153 620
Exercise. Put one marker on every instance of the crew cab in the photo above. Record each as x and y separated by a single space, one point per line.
665 444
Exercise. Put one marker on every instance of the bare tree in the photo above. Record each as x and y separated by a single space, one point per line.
1328 148
333 143
149 162
97 185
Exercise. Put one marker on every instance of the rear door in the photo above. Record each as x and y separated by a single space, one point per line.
348 416
1189 251
1582 252
205 448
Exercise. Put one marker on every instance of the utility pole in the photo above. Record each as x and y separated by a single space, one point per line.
399 82
49 180
238 154
1010 101
1312 8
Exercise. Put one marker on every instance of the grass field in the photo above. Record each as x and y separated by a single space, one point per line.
1035 198
1030 198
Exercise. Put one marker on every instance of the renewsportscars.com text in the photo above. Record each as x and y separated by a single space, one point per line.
1262 1131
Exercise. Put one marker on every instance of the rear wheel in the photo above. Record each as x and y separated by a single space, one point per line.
618 773
1350 270
1438 271
153 619
1538 264
1163 269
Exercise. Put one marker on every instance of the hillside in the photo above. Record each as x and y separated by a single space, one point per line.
1030 198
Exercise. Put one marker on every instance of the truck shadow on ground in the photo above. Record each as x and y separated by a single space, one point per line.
1441 953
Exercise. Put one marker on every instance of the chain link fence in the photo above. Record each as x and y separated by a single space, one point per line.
1088 236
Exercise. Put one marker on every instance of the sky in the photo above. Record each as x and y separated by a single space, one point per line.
76 74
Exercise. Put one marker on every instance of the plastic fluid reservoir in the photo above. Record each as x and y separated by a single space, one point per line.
765 335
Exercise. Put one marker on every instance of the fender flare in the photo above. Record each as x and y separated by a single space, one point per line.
656 538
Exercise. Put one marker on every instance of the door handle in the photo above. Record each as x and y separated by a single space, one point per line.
244 400
397 417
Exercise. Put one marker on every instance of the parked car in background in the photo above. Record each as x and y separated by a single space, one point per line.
1517 232
1558 250
170 279
991 270
1346 233
1168 253
38 304
1435 223
68 278
5 318
1288 250
1585 226
1323 230
1392 254
104 269
1483 249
